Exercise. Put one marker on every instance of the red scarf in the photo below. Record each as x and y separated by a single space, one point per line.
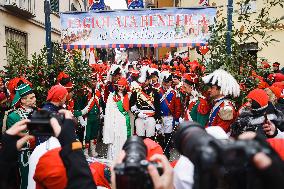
125 102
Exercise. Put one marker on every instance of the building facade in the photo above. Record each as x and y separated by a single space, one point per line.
273 53
23 21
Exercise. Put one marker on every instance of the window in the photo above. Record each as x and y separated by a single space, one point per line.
249 8
54 5
73 8
20 37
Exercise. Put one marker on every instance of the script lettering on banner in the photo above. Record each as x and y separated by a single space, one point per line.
127 28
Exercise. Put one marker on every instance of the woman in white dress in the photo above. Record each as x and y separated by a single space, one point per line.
117 122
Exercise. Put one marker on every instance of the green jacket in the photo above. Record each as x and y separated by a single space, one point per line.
12 118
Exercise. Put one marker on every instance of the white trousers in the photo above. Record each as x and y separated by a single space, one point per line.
167 126
145 127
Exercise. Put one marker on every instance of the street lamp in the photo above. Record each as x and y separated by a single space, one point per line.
230 26
48 31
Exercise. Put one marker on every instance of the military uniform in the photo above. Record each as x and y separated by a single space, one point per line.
23 159
170 111
92 112
197 110
222 114
145 104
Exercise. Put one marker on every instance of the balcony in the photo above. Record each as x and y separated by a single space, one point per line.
24 8
150 3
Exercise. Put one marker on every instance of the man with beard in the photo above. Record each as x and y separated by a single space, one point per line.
145 104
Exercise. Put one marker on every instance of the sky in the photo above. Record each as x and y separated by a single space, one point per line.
116 4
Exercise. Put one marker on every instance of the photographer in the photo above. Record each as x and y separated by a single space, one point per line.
232 164
77 169
259 116
13 140
164 181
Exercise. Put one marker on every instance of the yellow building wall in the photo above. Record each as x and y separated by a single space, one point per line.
164 3
34 27
273 52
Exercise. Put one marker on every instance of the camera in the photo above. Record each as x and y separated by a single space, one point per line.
40 122
133 172
215 159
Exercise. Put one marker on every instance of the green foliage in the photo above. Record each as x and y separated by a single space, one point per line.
42 75
254 28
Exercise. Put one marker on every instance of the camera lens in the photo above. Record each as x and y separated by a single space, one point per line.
190 138
135 150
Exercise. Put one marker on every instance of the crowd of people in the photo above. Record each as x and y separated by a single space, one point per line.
143 98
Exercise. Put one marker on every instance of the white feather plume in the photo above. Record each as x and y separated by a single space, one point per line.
143 74
152 70
228 84
163 75
112 69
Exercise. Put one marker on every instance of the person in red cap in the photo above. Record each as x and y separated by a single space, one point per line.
275 67
196 106
50 172
117 121
274 93
3 102
260 116
56 98
65 80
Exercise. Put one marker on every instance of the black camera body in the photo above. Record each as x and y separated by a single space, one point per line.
40 122
133 171
215 159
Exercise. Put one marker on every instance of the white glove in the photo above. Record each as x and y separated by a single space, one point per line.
102 116
176 123
82 121
134 109
142 115
181 120
158 127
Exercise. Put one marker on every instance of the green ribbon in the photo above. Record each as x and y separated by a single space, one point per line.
126 115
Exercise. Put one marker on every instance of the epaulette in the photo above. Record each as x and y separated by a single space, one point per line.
226 112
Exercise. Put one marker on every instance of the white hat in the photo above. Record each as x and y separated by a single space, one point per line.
217 132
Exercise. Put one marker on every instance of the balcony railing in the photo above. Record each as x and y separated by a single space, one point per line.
25 8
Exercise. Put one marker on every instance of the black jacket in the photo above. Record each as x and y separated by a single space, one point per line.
250 120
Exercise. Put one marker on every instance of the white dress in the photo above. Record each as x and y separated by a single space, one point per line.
115 130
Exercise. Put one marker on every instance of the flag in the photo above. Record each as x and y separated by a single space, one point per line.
96 5
204 2
134 4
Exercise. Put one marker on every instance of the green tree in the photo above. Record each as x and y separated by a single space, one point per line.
254 27
42 75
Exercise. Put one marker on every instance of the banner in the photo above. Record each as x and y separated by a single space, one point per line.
137 28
